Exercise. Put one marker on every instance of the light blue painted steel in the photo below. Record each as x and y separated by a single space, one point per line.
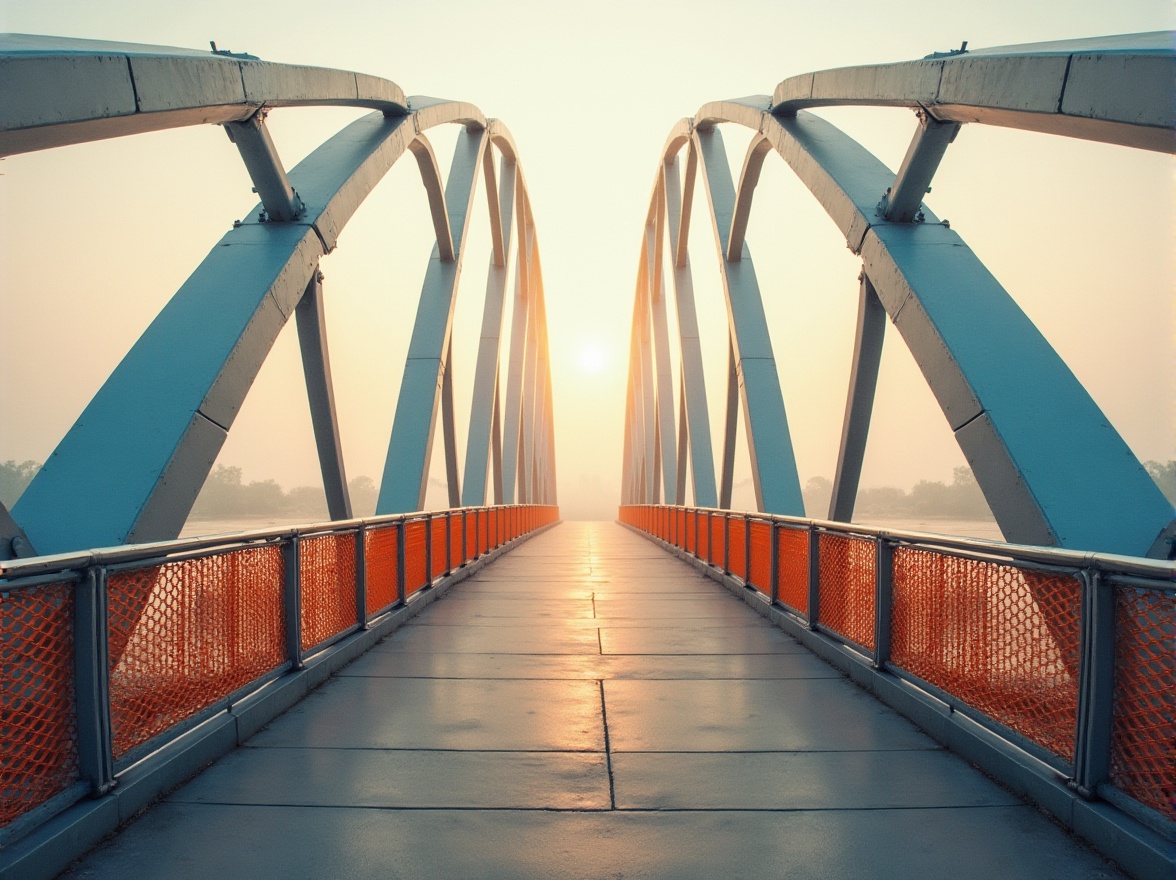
56 91
13 541
310 316
133 463
479 442
667 445
520 320
1116 89
773 463
406 468
697 423
859 405
449 428
1051 466
527 409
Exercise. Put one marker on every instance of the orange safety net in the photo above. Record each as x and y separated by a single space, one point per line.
327 571
792 568
439 532
703 537
718 540
472 532
189 634
1001 639
38 736
680 536
1143 730
456 541
415 565
691 525
737 547
380 550
847 582
760 562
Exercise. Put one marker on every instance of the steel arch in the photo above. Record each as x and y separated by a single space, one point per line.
1024 422
131 466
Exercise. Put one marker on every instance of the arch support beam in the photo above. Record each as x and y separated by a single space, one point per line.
406 468
316 367
863 382
773 464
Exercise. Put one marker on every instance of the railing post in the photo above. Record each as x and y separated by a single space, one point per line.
814 577
448 541
401 588
361 576
1096 684
428 550
883 599
774 563
747 551
293 601
92 682
726 542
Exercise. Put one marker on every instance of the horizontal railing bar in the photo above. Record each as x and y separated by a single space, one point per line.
1108 562
167 551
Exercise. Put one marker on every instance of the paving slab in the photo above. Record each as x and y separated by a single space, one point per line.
458 639
842 780
1010 843
697 640
438 713
421 779
590 666
796 714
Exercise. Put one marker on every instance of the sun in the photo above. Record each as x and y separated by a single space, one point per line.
592 358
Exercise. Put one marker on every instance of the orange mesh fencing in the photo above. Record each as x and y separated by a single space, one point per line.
680 538
718 539
38 735
1002 639
737 547
415 568
472 532
1143 729
380 550
456 541
327 570
847 582
691 525
760 563
792 568
704 533
439 531
195 631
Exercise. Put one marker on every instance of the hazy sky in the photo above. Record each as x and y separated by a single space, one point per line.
97 237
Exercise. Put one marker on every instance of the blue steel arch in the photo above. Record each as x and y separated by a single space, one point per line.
131 466
1053 469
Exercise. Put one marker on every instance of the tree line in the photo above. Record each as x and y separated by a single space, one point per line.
226 495
959 499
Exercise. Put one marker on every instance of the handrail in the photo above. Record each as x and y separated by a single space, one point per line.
1065 656
114 653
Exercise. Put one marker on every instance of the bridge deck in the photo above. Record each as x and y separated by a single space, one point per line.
590 707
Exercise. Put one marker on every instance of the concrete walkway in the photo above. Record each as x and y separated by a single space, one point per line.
589 706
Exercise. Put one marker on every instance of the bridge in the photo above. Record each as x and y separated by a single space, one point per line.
486 691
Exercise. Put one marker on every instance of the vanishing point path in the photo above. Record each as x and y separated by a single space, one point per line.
589 706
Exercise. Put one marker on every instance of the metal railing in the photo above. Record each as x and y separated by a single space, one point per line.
1067 656
108 655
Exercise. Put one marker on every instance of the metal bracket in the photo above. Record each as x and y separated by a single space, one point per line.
279 200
